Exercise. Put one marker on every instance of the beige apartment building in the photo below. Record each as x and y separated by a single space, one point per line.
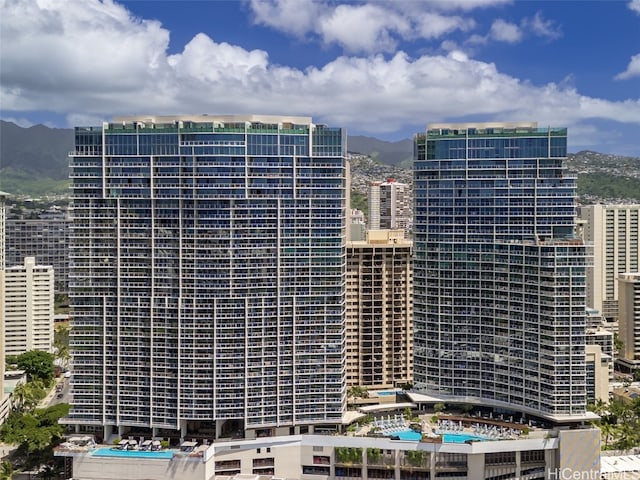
629 320
613 231
4 400
28 308
379 310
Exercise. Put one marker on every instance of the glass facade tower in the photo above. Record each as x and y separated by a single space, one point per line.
499 276
207 273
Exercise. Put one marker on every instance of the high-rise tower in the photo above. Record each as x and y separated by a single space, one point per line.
4 401
389 206
28 307
614 232
207 275
499 278
379 310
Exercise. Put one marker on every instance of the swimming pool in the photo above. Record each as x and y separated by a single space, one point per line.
414 436
110 452
386 393
411 435
460 438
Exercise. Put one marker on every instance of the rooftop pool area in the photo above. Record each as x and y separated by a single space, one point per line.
114 452
414 436
386 393
461 438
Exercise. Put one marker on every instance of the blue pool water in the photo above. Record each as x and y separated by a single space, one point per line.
386 393
460 437
109 452
447 437
407 435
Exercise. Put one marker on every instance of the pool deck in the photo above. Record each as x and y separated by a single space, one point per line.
477 428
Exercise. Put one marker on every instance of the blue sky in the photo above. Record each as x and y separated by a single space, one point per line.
378 68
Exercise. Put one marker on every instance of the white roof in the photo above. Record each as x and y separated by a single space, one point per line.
619 464
386 406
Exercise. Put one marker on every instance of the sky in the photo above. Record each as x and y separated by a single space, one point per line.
383 69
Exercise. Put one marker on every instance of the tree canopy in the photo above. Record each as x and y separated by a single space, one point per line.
34 431
37 365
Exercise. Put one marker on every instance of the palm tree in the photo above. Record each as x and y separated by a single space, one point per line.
607 430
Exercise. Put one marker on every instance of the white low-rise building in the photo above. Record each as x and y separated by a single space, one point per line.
324 457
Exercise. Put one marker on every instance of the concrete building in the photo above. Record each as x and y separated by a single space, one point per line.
544 455
358 226
389 206
599 368
28 308
207 276
379 310
629 320
45 239
613 230
499 295
4 399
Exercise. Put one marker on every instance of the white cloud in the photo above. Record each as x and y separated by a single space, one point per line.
466 5
541 27
375 31
635 6
380 25
504 31
91 60
508 32
21 122
633 69
288 16
435 25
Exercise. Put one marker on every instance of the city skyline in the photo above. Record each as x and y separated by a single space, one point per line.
569 63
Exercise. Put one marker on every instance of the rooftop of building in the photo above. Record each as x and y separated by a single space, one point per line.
630 276
251 118
482 129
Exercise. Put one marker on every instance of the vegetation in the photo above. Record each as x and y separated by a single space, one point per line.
603 185
619 423
26 183
439 407
27 396
37 365
374 454
61 303
360 202
348 455
6 471
35 432
415 457
61 344
618 344
358 392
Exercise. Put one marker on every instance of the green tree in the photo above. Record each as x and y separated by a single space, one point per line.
598 407
34 431
358 392
439 407
37 365
618 344
360 202
61 344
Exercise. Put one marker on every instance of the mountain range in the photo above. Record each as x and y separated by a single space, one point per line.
34 161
